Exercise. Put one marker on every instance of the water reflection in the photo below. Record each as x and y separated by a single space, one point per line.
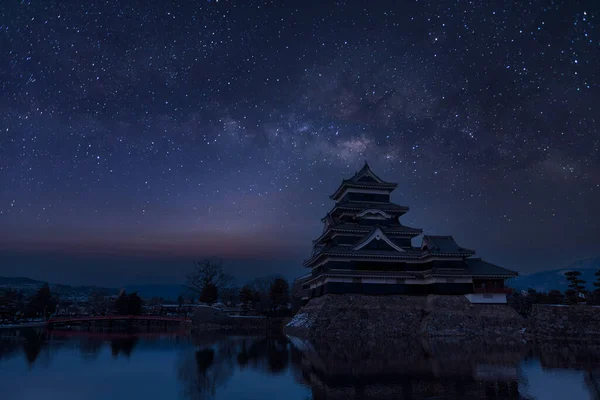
176 366
410 370
215 361
123 346
205 370
32 345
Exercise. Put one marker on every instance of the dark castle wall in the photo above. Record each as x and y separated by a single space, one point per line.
387 289
346 239
402 242
383 198
391 266
565 322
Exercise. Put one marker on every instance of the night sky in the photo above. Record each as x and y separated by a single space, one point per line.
138 136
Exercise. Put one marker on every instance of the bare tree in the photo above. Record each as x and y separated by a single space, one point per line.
208 274
263 284
261 287
230 295
279 294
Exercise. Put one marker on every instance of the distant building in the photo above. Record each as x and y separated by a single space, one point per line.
365 249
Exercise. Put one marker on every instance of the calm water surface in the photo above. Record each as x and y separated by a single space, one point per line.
77 365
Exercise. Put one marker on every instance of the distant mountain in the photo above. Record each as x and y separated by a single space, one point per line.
29 286
540 281
555 279
4 280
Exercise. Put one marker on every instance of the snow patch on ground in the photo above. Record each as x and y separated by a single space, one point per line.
301 320
24 325
302 345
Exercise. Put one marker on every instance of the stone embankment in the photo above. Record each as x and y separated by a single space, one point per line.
352 316
559 322
456 316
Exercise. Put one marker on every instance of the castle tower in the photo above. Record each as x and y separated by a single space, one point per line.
365 249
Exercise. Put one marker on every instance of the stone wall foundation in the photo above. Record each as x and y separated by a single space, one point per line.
361 316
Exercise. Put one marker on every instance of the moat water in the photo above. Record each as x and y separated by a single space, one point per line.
174 365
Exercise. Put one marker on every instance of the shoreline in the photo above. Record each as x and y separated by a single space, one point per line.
24 325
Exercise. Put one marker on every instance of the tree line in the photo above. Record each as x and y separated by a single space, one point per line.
43 303
210 283
575 294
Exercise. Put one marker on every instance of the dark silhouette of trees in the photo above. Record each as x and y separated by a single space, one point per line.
11 303
243 357
533 296
517 301
279 294
296 293
124 346
262 287
207 279
229 295
576 290
9 297
555 297
204 359
128 304
121 304
42 303
596 293
209 294
135 304
265 294
523 303
32 345
202 372
248 297
269 353
575 283
99 304
277 355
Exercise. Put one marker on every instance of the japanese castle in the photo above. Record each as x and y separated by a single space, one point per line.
365 249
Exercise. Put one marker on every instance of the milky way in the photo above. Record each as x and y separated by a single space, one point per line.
140 135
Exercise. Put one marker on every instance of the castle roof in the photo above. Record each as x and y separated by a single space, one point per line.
365 178
355 228
377 234
389 230
365 205
361 229
478 267
469 267
443 245
412 253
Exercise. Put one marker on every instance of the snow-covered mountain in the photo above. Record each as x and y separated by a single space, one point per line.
555 279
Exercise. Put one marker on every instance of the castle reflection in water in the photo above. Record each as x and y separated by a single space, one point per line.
214 367
412 371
